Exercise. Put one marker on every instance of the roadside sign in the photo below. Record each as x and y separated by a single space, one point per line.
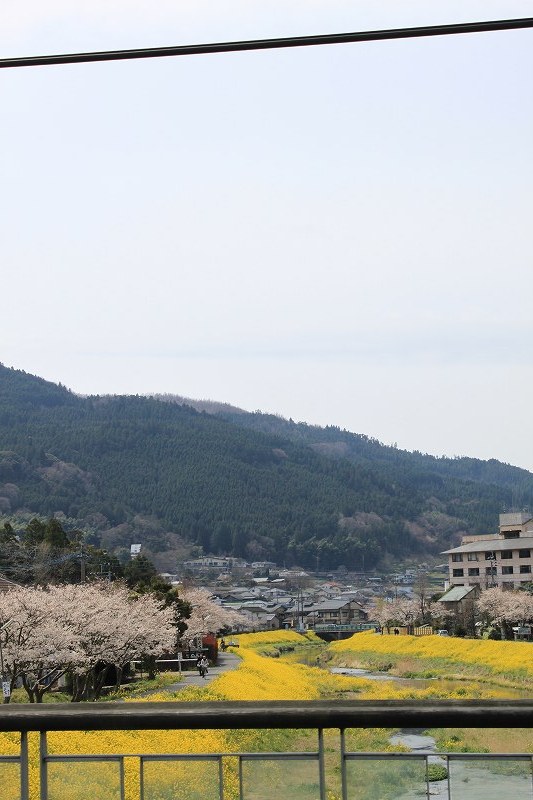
6 689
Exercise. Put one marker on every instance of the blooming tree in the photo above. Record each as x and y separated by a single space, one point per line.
114 629
37 645
78 629
503 608
207 615
400 611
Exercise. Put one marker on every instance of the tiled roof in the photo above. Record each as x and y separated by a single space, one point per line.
334 605
491 545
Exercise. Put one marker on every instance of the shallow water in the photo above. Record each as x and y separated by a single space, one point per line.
469 780
446 684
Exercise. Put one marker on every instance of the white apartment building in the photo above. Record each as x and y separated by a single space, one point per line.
501 559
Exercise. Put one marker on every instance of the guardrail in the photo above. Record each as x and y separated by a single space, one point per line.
350 626
233 774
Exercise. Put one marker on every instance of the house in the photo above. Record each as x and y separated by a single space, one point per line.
338 611
503 559
261 620
459 602
260 614
458 598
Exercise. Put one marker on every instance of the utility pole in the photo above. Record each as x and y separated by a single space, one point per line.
6 685
83 573
105 569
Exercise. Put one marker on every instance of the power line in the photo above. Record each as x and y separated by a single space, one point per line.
269 44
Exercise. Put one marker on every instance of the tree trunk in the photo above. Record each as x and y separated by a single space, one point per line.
118 681
88 689
99 682
507 630
28 689
80 686
150 665
76 689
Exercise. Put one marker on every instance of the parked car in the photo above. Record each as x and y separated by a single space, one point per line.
442 632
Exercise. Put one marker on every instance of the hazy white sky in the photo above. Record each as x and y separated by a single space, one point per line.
339 234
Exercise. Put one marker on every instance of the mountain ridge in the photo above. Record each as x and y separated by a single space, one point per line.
473 468
180 480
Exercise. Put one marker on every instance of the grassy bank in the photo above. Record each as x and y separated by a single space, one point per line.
503 663
133 690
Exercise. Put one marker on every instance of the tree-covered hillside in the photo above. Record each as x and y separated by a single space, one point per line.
137 469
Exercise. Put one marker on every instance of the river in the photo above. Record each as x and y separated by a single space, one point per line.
446 684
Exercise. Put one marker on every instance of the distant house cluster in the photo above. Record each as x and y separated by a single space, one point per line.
503 559
269 607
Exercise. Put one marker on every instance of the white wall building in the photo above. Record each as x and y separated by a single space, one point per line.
503 559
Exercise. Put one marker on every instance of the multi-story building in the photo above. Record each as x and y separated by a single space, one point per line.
501 559
221 564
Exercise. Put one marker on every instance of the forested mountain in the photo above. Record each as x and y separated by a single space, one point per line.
138 469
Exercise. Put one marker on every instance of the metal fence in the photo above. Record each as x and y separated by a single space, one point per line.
329 771
350 627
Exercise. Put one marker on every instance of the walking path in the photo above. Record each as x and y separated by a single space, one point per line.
226 661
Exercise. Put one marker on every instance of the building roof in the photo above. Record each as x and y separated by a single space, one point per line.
334 605
514 518
491 545
456 593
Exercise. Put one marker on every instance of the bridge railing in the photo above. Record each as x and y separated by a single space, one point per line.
349 627
324 772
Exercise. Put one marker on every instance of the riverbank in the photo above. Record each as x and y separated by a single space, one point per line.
498 664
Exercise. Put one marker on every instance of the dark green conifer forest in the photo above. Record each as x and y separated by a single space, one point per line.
138 469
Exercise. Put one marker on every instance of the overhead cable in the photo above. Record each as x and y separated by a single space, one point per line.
269 44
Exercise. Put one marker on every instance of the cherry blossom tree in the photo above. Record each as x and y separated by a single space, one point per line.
207 616
82 630
115 629
85 630
38 647
502 608
383 614
399 611
524 608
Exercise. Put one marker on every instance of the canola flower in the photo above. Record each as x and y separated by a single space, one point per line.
257 678
500 658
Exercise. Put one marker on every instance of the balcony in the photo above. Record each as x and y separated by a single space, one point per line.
326 772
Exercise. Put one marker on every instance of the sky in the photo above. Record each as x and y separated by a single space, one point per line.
340 234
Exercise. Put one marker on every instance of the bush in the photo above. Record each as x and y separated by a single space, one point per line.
437 772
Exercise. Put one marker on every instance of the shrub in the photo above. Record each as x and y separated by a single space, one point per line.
437 772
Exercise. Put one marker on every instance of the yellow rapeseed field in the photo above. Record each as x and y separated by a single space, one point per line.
257 678
511 658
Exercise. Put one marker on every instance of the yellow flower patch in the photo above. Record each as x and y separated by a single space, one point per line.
499 657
